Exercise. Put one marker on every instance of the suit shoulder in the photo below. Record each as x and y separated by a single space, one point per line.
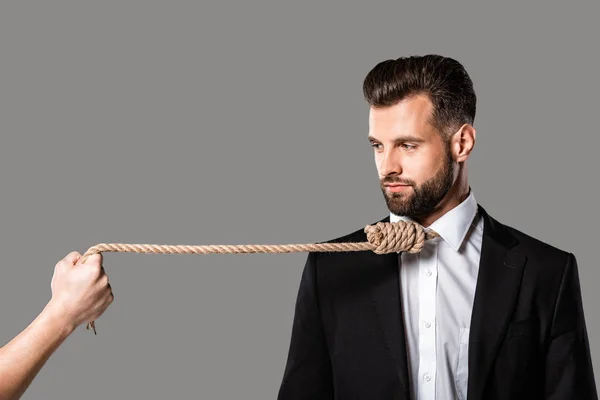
535 245
541 256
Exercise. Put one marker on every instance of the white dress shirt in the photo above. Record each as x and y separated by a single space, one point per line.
438 287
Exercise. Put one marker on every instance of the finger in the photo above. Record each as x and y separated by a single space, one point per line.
101 272
94 259
111 297
72 258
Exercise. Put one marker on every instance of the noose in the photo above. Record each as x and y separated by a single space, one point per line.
383 238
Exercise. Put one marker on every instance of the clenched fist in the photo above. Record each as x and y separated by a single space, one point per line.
80 291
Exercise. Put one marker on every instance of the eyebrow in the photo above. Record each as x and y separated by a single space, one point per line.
401 139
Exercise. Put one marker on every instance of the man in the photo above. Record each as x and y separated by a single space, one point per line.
483 312
80 293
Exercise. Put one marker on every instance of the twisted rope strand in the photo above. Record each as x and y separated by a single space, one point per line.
383 238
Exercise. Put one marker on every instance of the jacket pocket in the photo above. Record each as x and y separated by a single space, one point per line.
462 365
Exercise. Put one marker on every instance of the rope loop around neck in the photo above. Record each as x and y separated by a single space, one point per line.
388 237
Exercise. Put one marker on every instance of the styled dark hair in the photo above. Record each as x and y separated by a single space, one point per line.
443 79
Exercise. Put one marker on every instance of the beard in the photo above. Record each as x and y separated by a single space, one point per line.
423 198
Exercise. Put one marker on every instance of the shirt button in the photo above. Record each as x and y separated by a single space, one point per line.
427 377
428 272
427 324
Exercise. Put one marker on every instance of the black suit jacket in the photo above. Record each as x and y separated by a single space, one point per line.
528 337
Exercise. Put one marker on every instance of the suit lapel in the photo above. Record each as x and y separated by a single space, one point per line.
386 297
498 286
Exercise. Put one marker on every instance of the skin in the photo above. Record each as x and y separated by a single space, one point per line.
80 293
410 150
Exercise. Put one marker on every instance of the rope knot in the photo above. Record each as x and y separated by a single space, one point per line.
388 237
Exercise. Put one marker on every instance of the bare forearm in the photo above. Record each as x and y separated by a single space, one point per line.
23 357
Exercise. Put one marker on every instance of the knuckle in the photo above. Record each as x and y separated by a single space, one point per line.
94 271
95 259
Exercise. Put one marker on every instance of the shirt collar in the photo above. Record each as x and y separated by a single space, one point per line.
452 226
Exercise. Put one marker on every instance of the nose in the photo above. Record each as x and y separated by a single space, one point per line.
389 164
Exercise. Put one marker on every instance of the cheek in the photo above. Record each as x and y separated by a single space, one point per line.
420 166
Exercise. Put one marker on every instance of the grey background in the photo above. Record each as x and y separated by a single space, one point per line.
231 122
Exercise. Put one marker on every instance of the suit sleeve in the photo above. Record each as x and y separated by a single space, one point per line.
569 373
307 372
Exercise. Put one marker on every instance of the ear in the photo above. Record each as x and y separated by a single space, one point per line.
463 142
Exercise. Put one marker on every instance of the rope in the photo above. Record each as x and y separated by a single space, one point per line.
383 238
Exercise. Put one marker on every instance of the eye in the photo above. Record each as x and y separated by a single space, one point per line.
374 145
409 146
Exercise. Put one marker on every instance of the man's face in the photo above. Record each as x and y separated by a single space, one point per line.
410 151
